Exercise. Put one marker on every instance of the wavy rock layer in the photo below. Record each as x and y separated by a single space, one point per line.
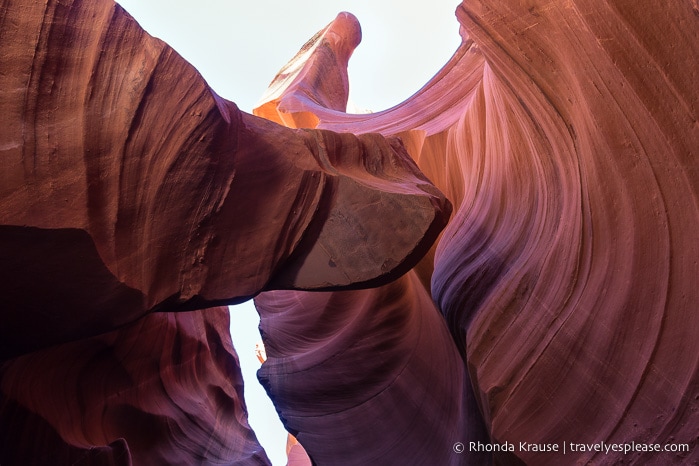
129 191
374 373
569 279
566 136
164 390
110 140
371 372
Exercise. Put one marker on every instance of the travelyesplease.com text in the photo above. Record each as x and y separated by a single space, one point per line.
573 447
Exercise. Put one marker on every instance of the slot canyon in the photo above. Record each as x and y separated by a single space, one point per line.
503 263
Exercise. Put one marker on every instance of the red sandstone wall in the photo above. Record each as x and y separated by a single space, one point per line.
130 191
566 137
558 305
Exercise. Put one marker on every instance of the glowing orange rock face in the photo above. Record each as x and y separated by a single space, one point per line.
566 136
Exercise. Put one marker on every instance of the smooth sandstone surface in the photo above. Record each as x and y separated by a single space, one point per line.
130 194
566 137
559 304
368 376
116 152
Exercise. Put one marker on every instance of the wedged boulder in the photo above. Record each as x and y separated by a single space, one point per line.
566 137
128 186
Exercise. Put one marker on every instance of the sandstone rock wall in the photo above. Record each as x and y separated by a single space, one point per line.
558 305
566 136
130 191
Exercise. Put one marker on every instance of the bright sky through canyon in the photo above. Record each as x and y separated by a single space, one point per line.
238 47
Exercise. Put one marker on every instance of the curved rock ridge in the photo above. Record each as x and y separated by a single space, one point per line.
369 376
567 273
128 191
116 151
316 77
567 280
565 135
366 376
164 390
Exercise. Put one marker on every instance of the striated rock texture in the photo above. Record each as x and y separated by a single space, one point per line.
164 390
115 150
566 135
367 376
364 377
558 306
130 191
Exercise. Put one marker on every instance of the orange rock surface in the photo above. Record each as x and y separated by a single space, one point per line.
557 308
566 136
